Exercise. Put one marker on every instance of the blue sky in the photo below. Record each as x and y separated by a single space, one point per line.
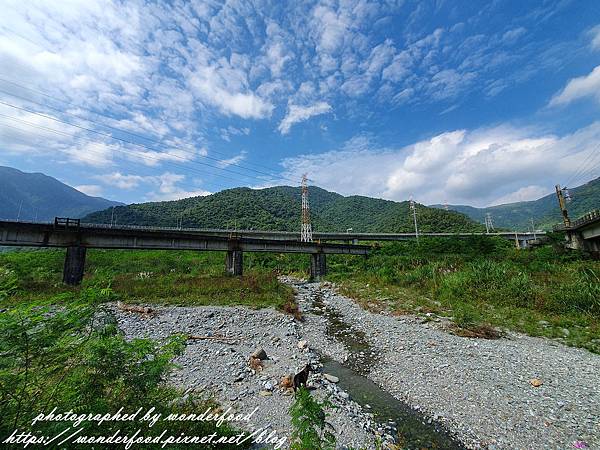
443 101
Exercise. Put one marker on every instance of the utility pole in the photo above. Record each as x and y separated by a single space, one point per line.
563 206
413 206
533 229
19 213
306 232
112 216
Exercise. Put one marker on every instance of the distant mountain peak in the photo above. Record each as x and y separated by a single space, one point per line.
544 211
37 196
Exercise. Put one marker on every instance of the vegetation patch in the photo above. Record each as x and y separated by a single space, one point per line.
70 356
483 284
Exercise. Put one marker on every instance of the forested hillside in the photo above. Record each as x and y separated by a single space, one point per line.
278 208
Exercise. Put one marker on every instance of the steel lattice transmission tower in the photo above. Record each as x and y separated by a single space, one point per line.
306 233
489 223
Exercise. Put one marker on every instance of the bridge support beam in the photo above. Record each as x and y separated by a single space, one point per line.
74 265
318 266
234 262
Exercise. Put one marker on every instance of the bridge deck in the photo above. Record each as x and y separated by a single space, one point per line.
24 234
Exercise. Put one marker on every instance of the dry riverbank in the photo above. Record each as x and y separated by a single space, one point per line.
479 389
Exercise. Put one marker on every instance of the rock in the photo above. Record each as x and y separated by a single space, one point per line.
265 393
331 378
536 382
260 353
302 344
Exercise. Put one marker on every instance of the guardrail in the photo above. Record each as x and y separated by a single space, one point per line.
590 217
256 233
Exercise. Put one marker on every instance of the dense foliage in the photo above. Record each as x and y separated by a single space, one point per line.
60 347
544 291
278 208
69 356
31 196
543 211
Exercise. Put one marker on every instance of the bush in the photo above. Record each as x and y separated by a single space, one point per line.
309 421
74 359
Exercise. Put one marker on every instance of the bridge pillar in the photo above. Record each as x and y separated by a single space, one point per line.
318 266
74 265
234 262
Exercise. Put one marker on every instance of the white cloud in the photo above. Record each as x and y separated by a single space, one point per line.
225 88
169 190
90 189
296 114
512 35
121 181
577 88
478 167
523 194
595 34
165 186
232 161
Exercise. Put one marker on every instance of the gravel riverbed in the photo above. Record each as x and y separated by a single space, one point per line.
222 368
479 390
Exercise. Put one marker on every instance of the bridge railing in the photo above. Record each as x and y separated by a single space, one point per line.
590 217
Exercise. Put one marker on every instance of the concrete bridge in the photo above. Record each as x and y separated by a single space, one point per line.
523 238
584 233
77 238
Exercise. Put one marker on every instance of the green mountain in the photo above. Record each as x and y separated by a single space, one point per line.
41 197
544 211
278 208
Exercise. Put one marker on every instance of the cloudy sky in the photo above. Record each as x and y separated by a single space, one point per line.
461 102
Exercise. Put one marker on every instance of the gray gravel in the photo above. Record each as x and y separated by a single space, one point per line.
221 368
479 389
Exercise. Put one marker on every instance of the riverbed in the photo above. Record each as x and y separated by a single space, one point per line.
393 379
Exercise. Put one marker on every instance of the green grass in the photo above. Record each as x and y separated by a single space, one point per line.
162 277
478 281
541 292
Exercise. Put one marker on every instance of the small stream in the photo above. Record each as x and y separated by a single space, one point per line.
411 429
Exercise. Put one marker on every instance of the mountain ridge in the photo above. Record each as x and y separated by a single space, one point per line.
37 196
544 210
278 208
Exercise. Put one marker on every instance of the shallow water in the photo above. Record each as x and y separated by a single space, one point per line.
410 428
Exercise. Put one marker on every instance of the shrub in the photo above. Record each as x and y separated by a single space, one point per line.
74 359
309 421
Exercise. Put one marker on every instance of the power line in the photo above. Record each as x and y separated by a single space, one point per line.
582 167
123 140
137 155
271 174
588 173
184 185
